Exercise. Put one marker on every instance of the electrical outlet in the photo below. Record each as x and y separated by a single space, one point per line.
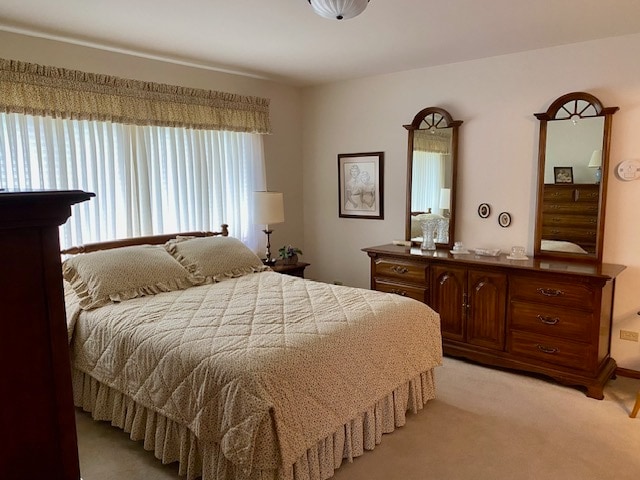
627 335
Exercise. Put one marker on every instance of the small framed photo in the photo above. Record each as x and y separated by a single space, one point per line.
484 210
360 185
563 174
504 219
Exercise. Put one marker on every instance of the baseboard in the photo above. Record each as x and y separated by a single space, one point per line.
627 372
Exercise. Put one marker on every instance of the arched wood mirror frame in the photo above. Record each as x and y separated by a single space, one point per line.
439 123
570 210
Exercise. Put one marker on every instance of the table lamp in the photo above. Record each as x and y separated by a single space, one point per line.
268 208
596 162
445 201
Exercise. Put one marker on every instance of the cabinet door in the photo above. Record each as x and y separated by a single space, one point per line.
486 305
447 298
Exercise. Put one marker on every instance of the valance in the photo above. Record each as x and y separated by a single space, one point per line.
34 89
435 142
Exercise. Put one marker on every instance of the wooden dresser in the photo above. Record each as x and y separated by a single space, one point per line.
570 213
548 317
37 416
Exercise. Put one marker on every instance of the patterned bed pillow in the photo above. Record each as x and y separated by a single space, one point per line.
106 276
215 258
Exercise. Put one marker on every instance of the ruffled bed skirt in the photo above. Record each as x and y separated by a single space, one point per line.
172 442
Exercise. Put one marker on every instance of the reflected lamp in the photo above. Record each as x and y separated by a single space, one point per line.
445 200
596 162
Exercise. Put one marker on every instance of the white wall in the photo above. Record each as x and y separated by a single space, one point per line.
282 148
496 98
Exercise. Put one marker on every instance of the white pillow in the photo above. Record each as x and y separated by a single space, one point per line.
215 258
117 274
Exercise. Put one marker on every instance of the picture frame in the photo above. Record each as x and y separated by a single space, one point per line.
563 175
504 219
360 185
484 210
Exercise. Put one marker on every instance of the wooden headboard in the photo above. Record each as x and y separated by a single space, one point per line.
149 240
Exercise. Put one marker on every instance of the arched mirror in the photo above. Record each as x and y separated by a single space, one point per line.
573 162
431 174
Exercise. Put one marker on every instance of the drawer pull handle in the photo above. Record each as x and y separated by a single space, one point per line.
545 349
402 293
400 270
548 320
550 292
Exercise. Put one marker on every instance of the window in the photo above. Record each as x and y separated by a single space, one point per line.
147 179
429 167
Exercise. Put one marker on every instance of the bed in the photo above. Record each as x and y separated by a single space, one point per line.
236 371
561 246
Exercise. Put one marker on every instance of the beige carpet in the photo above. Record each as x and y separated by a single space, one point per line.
485 424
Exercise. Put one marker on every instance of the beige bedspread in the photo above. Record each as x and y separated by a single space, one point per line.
264 365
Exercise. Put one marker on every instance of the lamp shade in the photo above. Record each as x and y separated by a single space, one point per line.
445 198
338 9
268 208
596 159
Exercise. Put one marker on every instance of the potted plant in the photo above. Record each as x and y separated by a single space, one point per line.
289 254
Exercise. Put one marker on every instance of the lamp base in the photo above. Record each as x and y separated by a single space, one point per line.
268 261
598 175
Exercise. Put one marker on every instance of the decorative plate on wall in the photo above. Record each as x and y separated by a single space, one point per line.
504 219
484 210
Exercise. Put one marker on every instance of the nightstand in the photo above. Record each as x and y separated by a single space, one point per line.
295 269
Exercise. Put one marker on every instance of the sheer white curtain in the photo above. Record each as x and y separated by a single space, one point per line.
147 180
428 178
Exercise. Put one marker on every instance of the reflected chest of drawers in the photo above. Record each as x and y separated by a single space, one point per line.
547 317
570 213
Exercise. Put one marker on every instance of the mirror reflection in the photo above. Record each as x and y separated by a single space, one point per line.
431 182
574 143
572 185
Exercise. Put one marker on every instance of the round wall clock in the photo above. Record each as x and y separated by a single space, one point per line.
484 210
504 219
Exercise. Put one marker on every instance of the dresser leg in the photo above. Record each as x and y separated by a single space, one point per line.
595 391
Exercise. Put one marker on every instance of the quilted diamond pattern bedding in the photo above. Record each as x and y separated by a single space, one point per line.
264 365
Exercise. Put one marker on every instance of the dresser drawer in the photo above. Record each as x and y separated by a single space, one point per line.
571 193
549 320
574 234
405 271
417 293
565 220
590 209
550 349
549 291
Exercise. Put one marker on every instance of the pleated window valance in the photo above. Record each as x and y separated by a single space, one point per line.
436 142
34 89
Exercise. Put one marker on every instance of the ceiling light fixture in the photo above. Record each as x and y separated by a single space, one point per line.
338 9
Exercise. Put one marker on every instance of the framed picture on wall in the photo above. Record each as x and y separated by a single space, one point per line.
563 174
360 185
